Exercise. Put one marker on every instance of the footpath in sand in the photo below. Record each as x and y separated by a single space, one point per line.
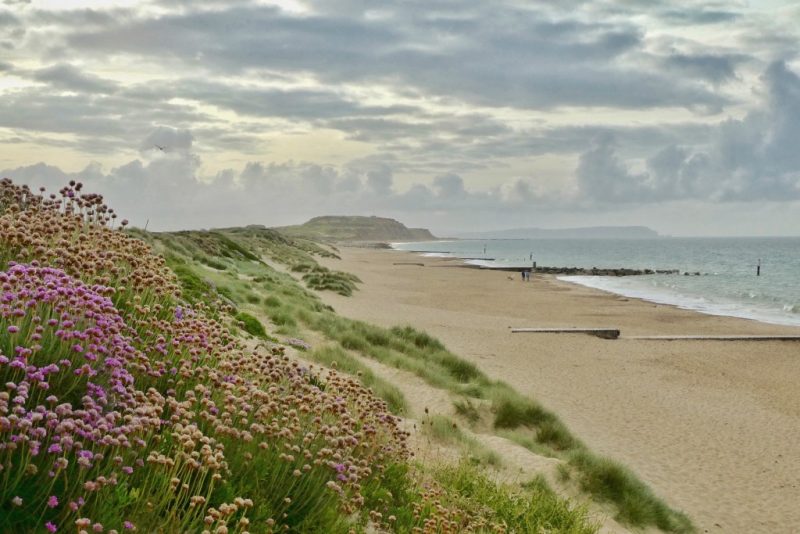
712 426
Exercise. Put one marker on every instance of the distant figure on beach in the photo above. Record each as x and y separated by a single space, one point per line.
522 273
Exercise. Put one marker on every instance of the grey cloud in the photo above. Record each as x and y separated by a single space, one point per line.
65 76
8 19
450 186
500 56
512 58
101 123
703 16
752 159
289 103
714 68
81 18
602 176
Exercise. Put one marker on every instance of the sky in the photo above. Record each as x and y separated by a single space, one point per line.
683 116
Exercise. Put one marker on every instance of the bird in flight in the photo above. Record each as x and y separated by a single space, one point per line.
161 148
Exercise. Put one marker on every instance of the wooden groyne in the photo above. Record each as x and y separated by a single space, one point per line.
717 338
614 333
605 333
573 271
594 271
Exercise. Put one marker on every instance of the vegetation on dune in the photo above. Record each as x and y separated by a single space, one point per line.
253 326
127 407
175 435
278 246
636 503
445 430
323 279
332 356
537 510
292 309
128 403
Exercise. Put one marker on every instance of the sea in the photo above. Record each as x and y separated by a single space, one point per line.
727 283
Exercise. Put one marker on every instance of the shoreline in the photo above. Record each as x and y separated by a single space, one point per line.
694 303
714 428
760 316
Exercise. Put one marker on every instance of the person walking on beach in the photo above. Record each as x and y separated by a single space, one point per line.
522 273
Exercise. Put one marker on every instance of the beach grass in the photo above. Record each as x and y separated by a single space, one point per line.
446 431
536 508
466 409
636 503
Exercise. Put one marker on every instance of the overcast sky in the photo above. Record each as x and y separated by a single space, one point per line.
455 115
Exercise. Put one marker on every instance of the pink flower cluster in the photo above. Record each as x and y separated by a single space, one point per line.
68 409
120 405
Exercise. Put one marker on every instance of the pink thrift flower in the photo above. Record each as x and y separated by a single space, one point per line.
13 329
50 527
52 502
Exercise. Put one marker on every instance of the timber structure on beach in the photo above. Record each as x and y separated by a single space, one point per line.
605 333
577 271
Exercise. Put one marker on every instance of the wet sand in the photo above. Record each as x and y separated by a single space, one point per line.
712 426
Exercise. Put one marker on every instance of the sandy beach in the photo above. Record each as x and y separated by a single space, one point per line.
712 426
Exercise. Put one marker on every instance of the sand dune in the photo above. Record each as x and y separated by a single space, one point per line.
713 427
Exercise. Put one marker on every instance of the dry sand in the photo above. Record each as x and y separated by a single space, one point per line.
713 427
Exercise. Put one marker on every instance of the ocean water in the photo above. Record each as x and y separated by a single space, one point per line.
727 285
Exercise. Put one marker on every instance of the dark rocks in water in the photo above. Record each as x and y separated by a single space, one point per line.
594 271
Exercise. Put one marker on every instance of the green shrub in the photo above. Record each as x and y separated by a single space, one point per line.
421 340
515 412
272 301
251 325
282 318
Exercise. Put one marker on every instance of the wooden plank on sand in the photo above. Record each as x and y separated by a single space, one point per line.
717 338
605 333
408 263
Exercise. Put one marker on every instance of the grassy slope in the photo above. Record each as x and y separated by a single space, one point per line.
227 261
